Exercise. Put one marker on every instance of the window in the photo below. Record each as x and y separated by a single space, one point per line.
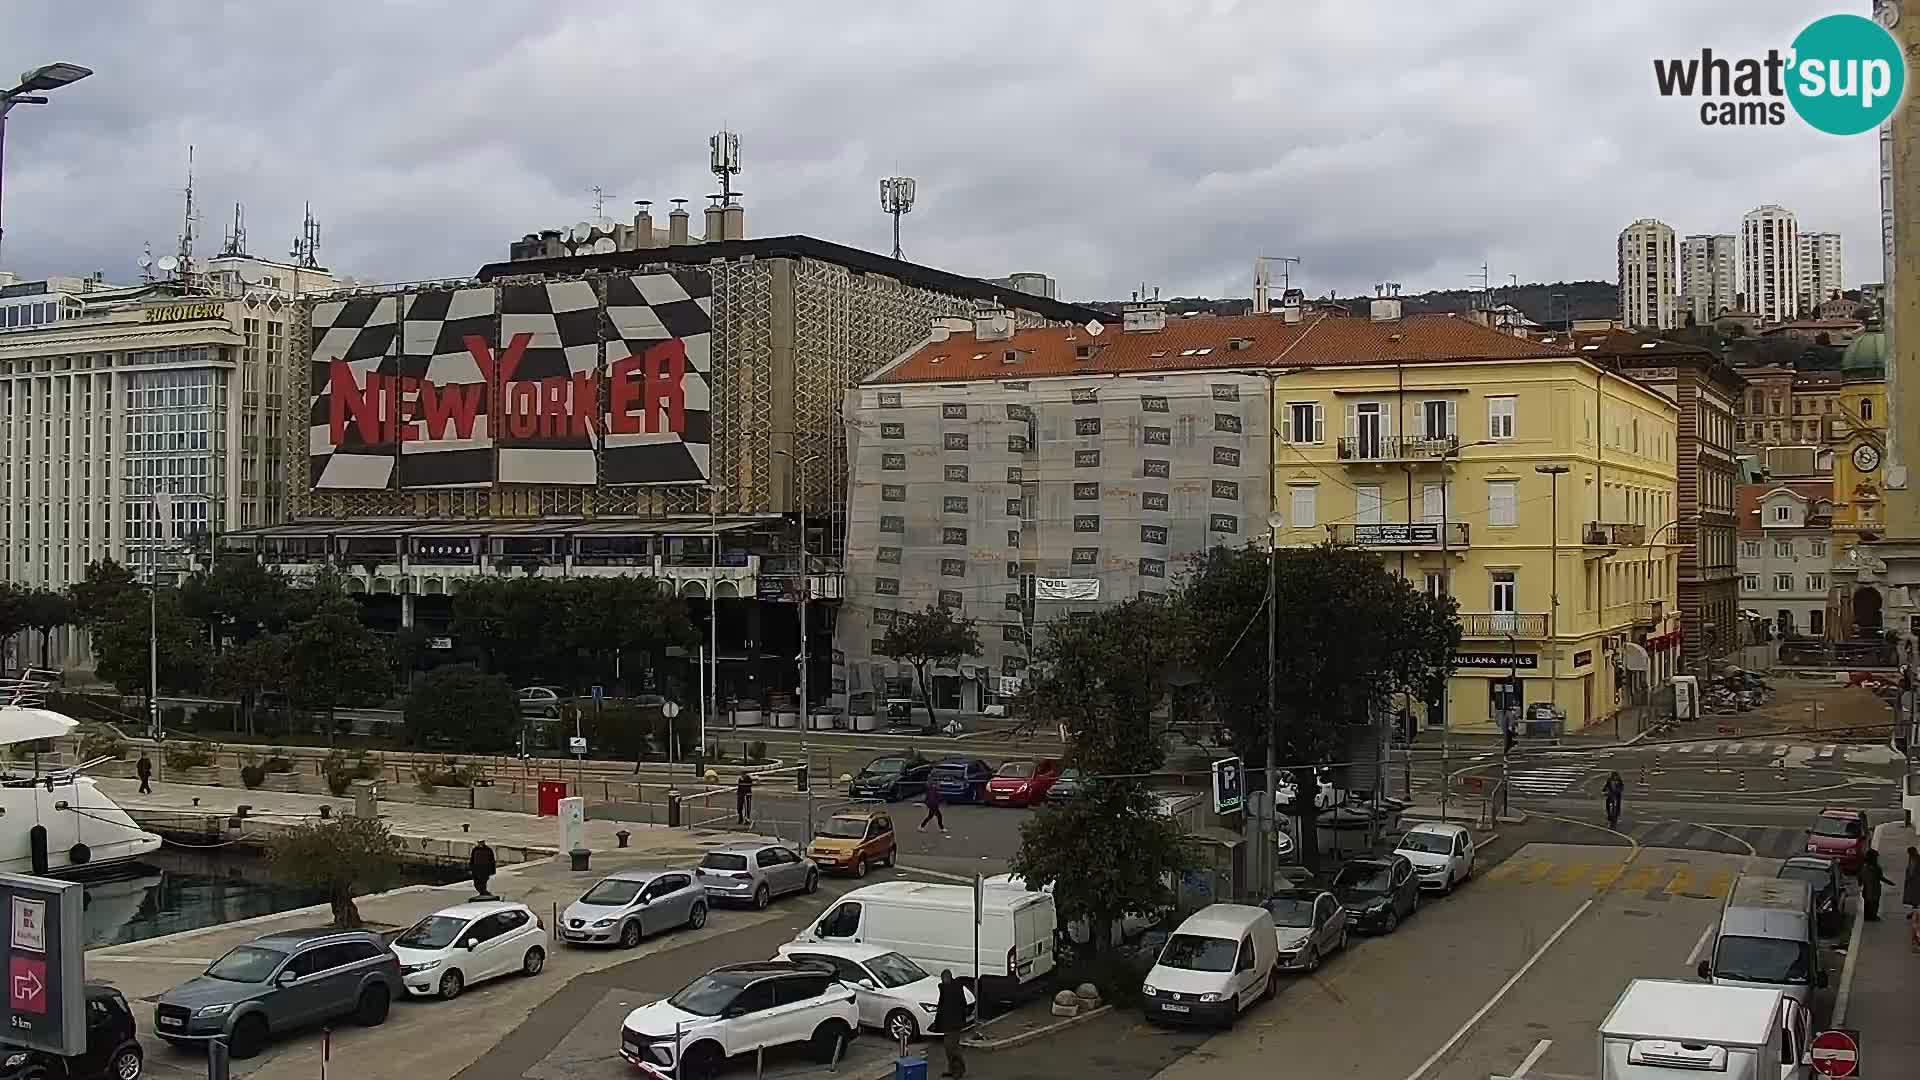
1817 622
1433 503
1783 583
1749 549
1436 583
1500 414
1816 583
1366 504
1750 583
1439 419
1866 408
1504 594
1305 423
1503 499
1817 548
1781 513
1304 498
1783 549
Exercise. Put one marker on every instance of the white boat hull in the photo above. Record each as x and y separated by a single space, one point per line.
84 828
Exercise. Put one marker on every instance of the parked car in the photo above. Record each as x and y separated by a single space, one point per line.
540 703
452 949
1127 926
1377 893
1308 924
756 871
281 982
890 779
962 779
113 1050
1067 785
736 1010
1829 889
933 925
1325 796
1022 783
1223 958
851 841
1442 855
1839 834
631 904
894 994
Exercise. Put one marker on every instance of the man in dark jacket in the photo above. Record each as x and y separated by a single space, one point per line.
144 770
481 865
1871 877
743 799
950 1020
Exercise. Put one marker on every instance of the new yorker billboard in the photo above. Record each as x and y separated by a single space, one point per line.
600 380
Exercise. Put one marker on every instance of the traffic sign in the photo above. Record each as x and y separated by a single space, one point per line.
1229 786
46 964
577 744
1836 1053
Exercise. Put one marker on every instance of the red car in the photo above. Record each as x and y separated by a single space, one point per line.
1022 783
1839 834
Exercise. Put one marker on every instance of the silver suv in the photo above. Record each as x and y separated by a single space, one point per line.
279 983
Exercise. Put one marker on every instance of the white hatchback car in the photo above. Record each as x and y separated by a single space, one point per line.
1442 855
894 994
735 1010
450 950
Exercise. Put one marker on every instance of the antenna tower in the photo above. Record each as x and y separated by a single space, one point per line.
723 161
896 198
237 236
1263 280
599 204
305 249
183 270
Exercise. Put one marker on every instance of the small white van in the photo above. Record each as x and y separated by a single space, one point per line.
1220 960
932 925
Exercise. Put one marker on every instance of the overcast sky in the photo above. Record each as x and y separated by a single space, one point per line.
1107 144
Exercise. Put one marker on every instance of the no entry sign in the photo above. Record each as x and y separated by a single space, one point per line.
1836 1053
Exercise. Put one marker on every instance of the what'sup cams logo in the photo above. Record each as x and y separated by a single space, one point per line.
1843 75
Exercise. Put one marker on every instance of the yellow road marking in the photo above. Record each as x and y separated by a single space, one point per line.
1504 871
1572 874
1644 878
1682 882
1607 875
1538 872
1719 883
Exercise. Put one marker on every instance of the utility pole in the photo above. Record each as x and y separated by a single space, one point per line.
1554 473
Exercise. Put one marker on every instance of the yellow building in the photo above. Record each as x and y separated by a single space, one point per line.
1360 456
1858 433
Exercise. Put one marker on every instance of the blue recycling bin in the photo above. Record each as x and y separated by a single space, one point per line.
910 1068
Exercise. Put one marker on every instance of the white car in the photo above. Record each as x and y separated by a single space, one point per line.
450 950
895 995
1442 855
735 1010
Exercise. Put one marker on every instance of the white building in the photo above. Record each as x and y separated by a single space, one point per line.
1707 262
1770 263
1819 270
1786 553
1649 290
109 394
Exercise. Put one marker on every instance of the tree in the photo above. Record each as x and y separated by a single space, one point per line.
1110 851
924 637
106 588
1353 634
237 600
13 599
343 858
621 624
121 640
251 670
334 660
472 709
44 611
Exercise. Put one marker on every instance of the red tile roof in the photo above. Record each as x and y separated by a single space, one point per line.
1750 495
1234 342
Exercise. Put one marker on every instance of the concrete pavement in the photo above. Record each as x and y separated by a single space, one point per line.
1876 992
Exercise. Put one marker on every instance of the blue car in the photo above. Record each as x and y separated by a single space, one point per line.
962 780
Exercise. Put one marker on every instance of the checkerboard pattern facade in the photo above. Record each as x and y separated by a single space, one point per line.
644 311
360 335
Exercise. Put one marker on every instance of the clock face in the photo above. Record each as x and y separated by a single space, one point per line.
1866 458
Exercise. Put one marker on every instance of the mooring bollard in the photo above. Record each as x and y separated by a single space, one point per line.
622 837
580 856
326 811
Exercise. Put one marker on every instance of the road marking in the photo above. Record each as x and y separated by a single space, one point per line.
185 961
1682 881
941 875
1643 879
1780 750
1700 947
1539 1050
1719 883
1737 748
1572 874
1537 872
1608 875
1688 748
1845 993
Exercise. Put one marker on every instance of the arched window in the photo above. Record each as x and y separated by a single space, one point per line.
1866 408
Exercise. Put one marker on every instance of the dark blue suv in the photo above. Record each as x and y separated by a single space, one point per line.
962 779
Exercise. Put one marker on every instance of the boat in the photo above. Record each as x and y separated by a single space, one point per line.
56 822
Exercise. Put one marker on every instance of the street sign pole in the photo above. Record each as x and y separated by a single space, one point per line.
1836 1053
46 964
979 908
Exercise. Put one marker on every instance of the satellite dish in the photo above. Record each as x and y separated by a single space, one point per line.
168 263
582 232
604 245
144 261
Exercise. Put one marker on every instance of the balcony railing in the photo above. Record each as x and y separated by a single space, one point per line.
1411 536
1502 624
1614 534
1649 612
1396 447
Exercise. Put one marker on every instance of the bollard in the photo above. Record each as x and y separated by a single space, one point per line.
326 811
622 837
580 856
217 1059
673 808
800 777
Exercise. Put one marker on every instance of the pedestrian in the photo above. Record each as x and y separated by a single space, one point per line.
1910 895
481 864
743 799
933 808
144 770
950 1020
1615 790
1871 878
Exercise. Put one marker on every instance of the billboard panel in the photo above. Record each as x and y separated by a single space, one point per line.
349 443
547 378
659 367
446 439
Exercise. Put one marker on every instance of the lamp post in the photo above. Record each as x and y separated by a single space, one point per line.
1446 586
33 83
801 462
1554 473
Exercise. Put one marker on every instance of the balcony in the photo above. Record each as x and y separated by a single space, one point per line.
1649 612
1383 449
1412 536
1613 534
1503 625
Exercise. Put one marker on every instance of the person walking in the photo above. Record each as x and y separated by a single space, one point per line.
1615 790
481 865
144 770
933 808
950 1020
1871 877
1910 895
743 799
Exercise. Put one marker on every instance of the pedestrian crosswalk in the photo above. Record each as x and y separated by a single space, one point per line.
1545 781
1752 748
1654 880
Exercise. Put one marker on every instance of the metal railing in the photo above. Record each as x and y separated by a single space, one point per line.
1649 611
1614 534
1503 624
29 689
1396 447
1416 534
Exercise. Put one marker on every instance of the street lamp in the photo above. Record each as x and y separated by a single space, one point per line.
1554 473
801 462
33 84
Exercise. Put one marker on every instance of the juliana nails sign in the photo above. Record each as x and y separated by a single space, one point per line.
183 312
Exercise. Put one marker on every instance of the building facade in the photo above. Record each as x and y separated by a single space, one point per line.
1818 273
1770 263
1418 438
1787 555
1649 289
1707 275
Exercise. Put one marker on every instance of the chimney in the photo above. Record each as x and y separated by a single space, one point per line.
677 224
643 223
1293 305
716 221
944 327
551 242
991 322
734 226
1386 302
1144 316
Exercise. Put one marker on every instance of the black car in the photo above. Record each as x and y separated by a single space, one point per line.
113 1053
1378 893
890 779
1829 888
1067 787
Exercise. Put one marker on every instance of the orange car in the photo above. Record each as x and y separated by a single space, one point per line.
853 840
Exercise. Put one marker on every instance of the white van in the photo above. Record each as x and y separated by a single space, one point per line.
932 925
1223 958
1661 1030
